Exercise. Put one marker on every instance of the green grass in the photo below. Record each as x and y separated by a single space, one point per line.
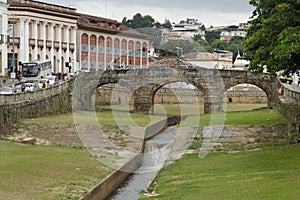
43 172
257 117
273 173
106 117
194 109
52 170
119 115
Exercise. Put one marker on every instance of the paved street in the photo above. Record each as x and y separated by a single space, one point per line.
10 82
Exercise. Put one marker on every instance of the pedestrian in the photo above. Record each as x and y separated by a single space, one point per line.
0 81
65 77
23 87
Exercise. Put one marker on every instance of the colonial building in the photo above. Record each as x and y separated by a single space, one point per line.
3 37
32 30
105 43
41 31
241 31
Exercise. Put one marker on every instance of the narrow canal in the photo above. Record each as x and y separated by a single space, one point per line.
157 150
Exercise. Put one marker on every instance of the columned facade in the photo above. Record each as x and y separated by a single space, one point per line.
3 38
100 51
43 32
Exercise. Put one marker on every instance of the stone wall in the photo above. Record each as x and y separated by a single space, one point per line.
288 105
53 103
175 95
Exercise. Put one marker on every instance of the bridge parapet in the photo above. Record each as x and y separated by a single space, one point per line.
291 93
29 96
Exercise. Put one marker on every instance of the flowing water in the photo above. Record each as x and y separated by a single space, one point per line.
157 150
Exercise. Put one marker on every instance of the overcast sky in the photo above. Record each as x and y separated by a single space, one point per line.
209 12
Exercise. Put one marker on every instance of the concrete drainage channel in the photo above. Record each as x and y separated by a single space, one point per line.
140 173
156 152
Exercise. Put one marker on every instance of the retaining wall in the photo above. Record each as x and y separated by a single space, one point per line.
57 100
176 95
288 105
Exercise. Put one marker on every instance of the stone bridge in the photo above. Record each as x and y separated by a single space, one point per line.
78 93
144 83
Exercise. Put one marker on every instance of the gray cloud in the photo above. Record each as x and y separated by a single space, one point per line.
210 12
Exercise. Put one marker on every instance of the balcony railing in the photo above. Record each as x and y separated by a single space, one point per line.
64 45
71 46
31 42
41 43
16 40
56 44
48 44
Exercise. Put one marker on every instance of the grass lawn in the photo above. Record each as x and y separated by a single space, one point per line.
105 117
257 117
272 173
41 172
58 172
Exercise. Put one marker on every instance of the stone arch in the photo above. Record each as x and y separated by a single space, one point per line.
245 93
178 92
263 85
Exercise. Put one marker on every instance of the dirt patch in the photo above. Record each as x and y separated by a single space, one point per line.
67 134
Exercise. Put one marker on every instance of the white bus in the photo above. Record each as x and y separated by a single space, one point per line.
36 70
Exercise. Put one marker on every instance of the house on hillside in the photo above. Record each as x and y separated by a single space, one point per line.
241 31
215 60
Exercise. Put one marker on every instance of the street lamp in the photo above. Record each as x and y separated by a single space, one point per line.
13 66
13 74
178 55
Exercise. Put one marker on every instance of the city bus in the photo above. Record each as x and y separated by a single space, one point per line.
36 69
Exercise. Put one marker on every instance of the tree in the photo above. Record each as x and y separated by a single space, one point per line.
149 21
170 48
167 24
273 40
212 35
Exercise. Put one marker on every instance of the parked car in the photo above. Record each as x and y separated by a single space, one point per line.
77 72
6 90
29 87
53 80
18 88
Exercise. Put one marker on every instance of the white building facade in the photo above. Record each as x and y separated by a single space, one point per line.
41 31
215 60
3 37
